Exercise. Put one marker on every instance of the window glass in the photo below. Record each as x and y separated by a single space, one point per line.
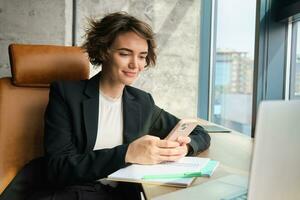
296 64
232 77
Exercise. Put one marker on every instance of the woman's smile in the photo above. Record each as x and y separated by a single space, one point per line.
130 74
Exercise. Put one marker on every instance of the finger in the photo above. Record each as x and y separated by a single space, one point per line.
169 158
169 151
180 150
167 144
184 139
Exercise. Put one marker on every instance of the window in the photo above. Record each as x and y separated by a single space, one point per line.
233 64
234 76
295 62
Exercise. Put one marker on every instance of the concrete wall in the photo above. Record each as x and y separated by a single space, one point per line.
34 22
173 82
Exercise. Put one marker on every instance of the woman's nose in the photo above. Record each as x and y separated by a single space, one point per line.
134 63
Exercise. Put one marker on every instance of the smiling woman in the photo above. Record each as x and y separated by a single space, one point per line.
95 127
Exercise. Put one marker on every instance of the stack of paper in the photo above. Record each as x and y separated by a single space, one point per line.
172 173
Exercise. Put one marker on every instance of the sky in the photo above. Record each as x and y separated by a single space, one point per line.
236 25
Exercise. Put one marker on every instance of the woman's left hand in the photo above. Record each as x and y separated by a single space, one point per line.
184 141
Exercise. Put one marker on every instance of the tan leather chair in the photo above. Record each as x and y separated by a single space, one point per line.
24 97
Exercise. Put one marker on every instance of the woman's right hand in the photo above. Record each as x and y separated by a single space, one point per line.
152 150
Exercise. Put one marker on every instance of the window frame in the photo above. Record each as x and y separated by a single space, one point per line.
203 107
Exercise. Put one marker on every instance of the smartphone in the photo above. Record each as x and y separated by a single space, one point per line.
183 128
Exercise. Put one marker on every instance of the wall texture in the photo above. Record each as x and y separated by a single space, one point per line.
34 22
173 82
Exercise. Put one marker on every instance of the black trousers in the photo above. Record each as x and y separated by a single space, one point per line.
90 191
30 183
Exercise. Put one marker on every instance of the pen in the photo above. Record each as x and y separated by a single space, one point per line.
166 176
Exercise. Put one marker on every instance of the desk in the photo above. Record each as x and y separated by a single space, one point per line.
233 150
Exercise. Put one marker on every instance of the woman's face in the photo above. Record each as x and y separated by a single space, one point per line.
128 58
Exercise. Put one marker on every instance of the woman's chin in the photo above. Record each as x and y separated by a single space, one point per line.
129 80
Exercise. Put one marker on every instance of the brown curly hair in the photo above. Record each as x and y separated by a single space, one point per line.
102 33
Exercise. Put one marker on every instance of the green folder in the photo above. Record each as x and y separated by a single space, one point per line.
209 168
207 171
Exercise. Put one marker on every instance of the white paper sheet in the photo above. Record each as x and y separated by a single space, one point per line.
135 172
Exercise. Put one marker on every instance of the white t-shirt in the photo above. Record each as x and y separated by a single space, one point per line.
110 126
110 122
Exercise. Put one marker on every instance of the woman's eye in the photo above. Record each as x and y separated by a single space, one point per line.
124 54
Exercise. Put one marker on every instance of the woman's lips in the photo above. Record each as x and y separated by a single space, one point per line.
130 74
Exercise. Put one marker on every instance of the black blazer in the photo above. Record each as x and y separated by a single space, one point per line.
71 120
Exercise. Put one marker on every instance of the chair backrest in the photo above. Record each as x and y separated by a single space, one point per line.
24 97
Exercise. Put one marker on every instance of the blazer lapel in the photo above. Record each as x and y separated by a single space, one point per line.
90 111
131 117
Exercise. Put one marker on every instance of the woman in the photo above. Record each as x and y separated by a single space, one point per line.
95 127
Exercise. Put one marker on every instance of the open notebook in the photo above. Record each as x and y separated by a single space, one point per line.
136 173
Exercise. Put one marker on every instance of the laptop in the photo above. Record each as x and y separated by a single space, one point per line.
275 168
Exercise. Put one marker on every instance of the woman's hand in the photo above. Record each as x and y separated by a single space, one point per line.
152 150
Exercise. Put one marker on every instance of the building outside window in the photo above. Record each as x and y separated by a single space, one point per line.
232 68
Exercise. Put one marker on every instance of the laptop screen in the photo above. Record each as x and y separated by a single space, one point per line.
275 166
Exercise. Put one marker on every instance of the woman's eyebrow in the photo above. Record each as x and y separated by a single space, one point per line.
126 49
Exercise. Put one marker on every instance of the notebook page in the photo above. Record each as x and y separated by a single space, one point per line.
136 172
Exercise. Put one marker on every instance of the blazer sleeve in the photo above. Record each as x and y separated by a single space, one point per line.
65 164
163 122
